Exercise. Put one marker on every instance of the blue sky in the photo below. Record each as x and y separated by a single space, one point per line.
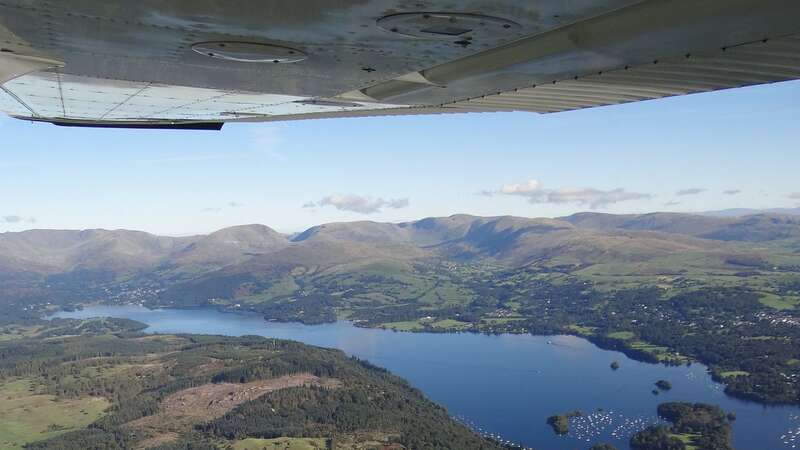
620 159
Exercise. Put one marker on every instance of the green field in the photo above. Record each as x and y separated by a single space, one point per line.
27 417
13 332
588 331
622 335
501 320
412 325
281 444
450 324
688 439
662 353
421 324
780 303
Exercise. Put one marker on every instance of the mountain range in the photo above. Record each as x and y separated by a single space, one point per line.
583 238
661 286
739 212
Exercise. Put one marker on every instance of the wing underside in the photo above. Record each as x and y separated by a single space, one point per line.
101 63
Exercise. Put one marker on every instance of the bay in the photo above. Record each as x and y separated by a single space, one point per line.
506 385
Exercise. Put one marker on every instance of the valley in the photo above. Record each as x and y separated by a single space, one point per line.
669 288
505 385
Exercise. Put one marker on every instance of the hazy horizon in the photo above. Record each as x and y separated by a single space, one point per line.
712 151
748 211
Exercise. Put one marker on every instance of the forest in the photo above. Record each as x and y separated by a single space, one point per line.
691 425
147 384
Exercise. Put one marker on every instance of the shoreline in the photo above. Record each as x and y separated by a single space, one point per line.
602 343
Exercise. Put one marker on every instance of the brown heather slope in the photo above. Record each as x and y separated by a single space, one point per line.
183 409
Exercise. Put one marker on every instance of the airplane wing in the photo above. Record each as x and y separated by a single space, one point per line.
200 63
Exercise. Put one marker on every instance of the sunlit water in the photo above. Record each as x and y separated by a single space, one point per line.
507 385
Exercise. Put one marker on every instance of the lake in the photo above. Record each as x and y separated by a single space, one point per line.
507 385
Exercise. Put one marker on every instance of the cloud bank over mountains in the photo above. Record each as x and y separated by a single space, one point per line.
690 191
536 193
358 203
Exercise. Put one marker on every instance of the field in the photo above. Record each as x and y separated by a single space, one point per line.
343 442
281 444
413 325
505 320
662 353
12 332
450 324
27 417
623 335
421 324
779 303
582 330
688 439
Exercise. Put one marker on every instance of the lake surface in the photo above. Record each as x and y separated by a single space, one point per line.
507 385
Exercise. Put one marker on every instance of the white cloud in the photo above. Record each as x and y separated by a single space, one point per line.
732 192
690 191
359 204
594 198
527 188
795 196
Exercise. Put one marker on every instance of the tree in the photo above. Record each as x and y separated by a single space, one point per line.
664 385
603 447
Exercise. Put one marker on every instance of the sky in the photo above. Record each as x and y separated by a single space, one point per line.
727 149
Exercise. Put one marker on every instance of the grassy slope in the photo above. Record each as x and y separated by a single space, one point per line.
27 417
281 444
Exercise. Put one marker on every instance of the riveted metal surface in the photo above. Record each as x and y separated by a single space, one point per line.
466 27
743 65
134 61
150 40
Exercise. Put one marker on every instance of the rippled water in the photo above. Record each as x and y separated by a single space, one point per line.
507 385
